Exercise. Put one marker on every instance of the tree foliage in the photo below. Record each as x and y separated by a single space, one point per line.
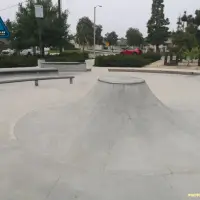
184 40
112 38
158 32
99 38
85 32
191 54
24 31
134 37
187 34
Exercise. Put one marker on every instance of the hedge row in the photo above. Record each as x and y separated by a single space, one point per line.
120 61
107 61
31 61
68 57
18 61
151 56
126 60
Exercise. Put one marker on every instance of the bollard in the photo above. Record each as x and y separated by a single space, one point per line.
36 83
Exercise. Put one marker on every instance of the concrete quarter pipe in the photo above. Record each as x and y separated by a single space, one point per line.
119 142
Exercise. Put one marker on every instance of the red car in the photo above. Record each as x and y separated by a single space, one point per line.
136 51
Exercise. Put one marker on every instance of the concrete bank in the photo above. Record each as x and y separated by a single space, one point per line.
65 66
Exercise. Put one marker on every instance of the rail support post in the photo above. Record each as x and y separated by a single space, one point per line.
36 83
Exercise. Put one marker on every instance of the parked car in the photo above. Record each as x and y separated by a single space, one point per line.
29 52
7 52
136 51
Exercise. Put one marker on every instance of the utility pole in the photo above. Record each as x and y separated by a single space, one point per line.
94 29
39 14
59 16
59 9
94 32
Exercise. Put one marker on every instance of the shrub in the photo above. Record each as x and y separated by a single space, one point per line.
69 46
68 57
152 56
17 61
121 61
75 54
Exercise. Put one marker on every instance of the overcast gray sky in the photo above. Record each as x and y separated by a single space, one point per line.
115 15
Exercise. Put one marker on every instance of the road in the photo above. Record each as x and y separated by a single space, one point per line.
97 140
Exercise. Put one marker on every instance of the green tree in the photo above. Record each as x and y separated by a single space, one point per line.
197 23
158 32
134 37
184 20
185 37
184 40
12 27
84 32
25 32
179 24
112 38
191 54
99 38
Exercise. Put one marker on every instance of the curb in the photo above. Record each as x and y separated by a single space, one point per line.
163 71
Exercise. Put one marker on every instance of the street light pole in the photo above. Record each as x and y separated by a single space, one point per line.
59 8
59 16
94 29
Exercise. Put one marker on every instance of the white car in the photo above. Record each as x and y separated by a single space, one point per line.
29 52
7 52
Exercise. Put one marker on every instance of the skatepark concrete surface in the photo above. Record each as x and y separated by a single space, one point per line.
109 136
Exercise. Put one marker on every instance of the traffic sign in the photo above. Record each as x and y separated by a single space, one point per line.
107 44
4 33
39 13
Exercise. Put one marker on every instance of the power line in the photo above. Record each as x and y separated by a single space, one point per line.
12 6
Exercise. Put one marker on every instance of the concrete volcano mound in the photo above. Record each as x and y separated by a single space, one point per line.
119 142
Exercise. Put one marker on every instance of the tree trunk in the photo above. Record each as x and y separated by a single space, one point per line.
171 57
177 59
157 49
60 49
42 51
34 51
165 61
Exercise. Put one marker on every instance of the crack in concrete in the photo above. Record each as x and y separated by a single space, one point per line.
52 188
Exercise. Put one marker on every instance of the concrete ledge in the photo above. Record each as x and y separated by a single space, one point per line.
151 70
66 66
89 64
27 70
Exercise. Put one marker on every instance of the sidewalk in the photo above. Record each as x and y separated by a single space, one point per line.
158 67
156 70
